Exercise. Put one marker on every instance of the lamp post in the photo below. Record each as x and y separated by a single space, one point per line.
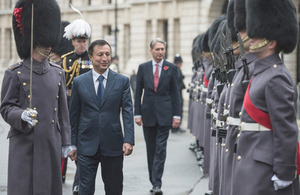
116 27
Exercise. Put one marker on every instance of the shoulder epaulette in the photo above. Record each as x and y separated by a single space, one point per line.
65 55
12 67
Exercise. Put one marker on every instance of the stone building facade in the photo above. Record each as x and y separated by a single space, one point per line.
138 22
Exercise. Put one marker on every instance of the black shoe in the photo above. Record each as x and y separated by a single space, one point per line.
75 190
157 191
174 130
152 190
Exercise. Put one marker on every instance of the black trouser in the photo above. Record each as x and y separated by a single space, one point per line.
156 143
111 170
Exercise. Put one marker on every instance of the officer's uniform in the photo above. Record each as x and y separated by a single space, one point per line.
75 65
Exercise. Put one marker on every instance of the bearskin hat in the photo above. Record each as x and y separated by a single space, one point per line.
46 25
204 44
196 50
273 20
230 20
65 45
214 28
240 15
216 41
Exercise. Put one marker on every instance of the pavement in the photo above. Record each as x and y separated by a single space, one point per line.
182 175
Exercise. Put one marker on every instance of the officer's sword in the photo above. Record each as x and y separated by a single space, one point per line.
33 116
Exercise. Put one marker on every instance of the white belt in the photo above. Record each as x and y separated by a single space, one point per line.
233 121
209 101
220 123
204 89
252 127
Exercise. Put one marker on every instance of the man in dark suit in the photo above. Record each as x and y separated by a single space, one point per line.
160 110
97 99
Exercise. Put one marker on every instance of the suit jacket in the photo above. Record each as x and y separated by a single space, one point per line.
97 126
160 106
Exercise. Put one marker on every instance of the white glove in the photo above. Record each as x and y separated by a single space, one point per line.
29 116
280 184
66 150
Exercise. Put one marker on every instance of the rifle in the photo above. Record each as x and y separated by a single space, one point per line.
246 79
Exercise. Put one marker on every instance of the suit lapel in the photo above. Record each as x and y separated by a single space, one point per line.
109 85
162 74
149 70
91 87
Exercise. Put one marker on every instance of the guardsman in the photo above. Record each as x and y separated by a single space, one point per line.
76 62
228 37
208 102
244 68
214 46
267 160
34 103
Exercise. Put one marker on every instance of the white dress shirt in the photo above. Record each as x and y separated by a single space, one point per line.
96 81
159 67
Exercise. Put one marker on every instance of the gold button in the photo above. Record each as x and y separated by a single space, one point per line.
60 73
228 106
70 60
59 84
34 108
275 65
52 121
223 144
240 113
238 135
55 109
24 84
211 128
28 96
19 72
37 121
239 158
224 104
232 85
226 150
57 97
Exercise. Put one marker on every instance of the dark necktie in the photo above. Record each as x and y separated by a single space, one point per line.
100 91
156 77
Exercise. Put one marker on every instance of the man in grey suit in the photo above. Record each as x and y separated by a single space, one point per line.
160 110
97 99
